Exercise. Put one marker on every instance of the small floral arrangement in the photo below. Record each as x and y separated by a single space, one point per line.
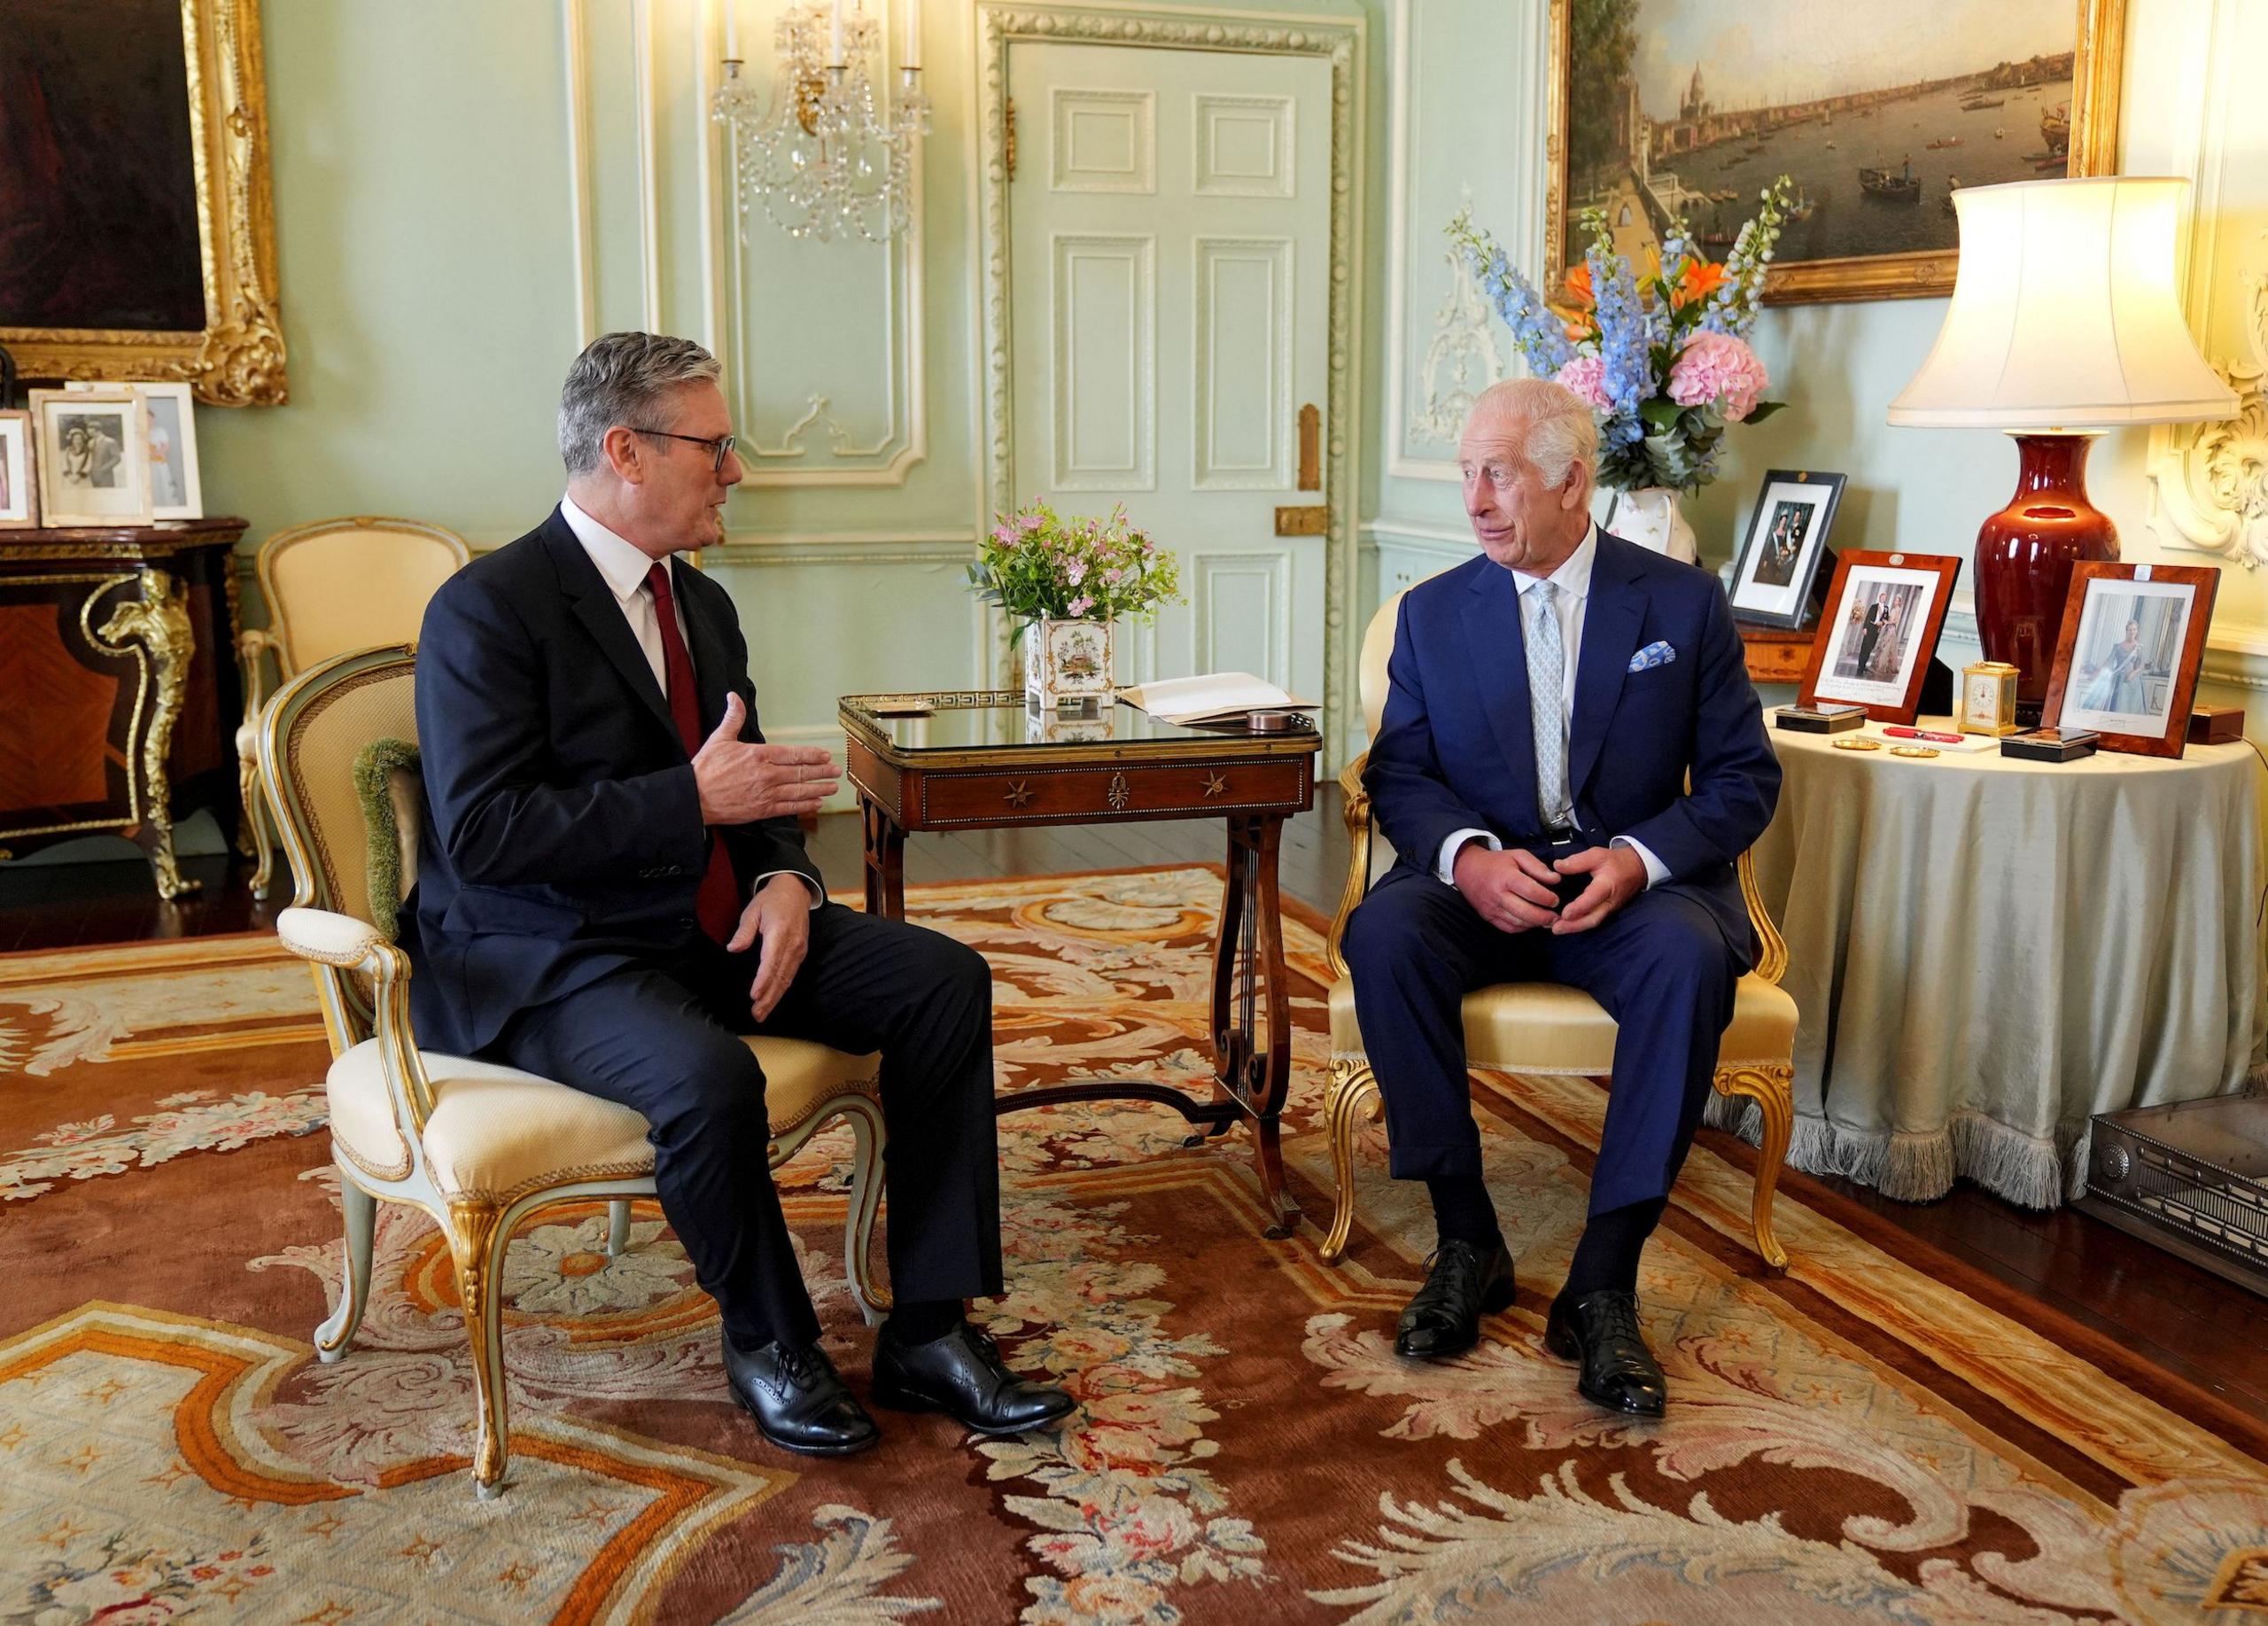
1035 563
1662 356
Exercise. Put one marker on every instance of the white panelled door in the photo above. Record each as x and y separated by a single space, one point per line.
1169 223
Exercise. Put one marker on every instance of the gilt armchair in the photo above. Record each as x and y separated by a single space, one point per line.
329 587
1544 1027
477 1146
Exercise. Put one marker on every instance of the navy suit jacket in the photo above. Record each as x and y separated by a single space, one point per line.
563 837
1455 748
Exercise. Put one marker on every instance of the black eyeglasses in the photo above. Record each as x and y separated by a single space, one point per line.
720 448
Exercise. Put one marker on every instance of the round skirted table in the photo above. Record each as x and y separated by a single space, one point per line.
1987 950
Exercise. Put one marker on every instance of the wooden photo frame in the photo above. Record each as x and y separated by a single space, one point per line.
1874 643
2126 661
19 473
1975 96
140 175
1777 569
93 450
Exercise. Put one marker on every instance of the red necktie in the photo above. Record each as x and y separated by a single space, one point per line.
719 901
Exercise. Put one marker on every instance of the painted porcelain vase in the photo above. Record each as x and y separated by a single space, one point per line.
1652 517
1067 663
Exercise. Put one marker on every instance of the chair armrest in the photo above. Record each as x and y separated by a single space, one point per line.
251 644
1772 956
328 938
1357 813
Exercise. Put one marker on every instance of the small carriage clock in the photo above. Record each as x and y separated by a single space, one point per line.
1988 698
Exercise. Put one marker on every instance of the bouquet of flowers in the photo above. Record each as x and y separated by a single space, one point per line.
1661 355
1035 563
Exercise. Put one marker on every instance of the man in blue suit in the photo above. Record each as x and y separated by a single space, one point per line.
1570 762
612 888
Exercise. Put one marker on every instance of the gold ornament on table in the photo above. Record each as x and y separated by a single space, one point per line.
1988 698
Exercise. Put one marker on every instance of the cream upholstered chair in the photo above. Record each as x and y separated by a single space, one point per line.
1544 1027
475 1144
331 586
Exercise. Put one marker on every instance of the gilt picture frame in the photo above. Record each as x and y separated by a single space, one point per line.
1709 164
145 247
19 473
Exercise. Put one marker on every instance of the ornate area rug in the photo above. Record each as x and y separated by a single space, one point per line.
1865 1439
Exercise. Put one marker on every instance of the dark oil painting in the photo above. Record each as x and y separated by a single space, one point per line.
98 185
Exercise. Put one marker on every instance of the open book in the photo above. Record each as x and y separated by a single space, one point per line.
1217 696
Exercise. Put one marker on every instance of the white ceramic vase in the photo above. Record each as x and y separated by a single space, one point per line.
1652 517
1067 664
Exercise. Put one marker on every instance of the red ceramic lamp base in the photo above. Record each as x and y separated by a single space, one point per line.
2024 555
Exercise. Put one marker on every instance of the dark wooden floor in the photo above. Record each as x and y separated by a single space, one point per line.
2185 1320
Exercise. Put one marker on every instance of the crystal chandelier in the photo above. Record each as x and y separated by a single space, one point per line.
829 155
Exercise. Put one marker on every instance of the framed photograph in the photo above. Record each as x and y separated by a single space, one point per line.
1787 537
1885 612
94 457
140 233
1668 109
19 502
175 491
2126 664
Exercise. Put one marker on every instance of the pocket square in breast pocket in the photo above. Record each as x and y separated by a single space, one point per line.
1655 654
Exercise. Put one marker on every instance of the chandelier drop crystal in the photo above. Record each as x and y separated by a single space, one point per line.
830 156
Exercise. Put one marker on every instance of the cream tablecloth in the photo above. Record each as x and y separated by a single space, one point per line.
1985 952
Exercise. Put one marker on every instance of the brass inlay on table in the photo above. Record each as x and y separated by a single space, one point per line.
980 760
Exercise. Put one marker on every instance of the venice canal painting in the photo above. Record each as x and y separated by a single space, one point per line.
1877 114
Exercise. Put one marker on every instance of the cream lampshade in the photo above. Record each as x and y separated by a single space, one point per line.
2065 321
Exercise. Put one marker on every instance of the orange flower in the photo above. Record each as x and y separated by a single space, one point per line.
1578 286
1697 280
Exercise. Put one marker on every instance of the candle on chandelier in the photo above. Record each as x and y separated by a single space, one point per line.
912 59
835 57
732 35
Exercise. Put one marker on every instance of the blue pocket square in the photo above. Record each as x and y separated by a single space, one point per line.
1655 654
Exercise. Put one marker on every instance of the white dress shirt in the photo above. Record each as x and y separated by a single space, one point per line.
1573 580
624 565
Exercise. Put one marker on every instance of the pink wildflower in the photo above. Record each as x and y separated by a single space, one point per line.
1716 367
1082 605
1002 535
1586 376
1077 574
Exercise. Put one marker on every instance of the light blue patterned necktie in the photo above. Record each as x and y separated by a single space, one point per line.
1547 677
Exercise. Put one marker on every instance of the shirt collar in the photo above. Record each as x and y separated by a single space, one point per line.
1574 576
622 563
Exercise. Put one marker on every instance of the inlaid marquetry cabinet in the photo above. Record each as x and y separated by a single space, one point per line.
118 688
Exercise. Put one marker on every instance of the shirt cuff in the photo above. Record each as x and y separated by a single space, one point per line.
1445 866
1657 872
818 896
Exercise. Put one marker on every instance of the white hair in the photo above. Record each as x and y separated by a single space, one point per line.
621 378
1553 426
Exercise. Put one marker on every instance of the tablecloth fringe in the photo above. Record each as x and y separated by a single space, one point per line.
1918 1167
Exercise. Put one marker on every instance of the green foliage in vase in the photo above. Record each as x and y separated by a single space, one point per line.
1035 563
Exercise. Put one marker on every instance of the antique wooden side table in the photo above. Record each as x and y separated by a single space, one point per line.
117 664
980 760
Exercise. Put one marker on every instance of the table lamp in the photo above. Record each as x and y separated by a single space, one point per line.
2064 323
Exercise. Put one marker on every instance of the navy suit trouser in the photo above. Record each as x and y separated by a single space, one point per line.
664 1038
1660 965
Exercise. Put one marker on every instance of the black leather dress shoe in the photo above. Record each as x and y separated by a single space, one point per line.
1600 1331
1468 1281
962 1375
798 1400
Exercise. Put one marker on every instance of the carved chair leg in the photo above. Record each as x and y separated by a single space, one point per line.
477 1249
360 1210
1353 1089
1773 1089
859 1223
617 1228
259 837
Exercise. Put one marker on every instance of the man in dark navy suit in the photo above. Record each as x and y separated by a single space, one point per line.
613 888
1547 704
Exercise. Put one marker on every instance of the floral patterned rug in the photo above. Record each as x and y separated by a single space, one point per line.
1879 1435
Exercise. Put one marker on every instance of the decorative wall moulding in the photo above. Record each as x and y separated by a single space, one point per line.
200 308
2211 479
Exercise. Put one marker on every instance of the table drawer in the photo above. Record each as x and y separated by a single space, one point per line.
1196 789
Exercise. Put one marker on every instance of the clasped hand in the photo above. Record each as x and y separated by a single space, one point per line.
1515 890
741 783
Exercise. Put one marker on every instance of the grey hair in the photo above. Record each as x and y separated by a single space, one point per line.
621 378
1556 430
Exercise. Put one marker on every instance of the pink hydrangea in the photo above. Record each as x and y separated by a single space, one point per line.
1586 376
1719 368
